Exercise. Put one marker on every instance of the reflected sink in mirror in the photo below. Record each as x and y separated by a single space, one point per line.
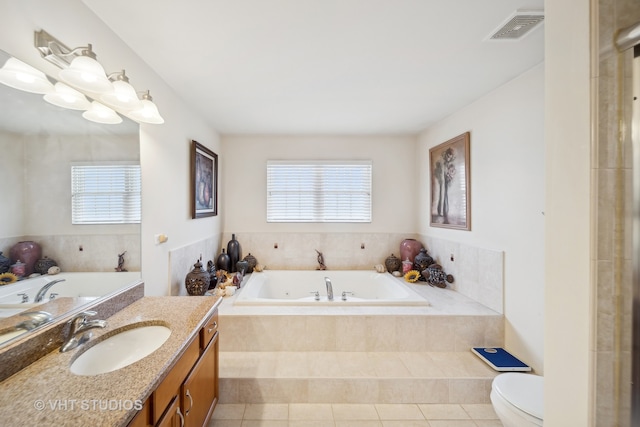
120 350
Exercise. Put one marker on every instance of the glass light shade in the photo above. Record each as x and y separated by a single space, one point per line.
123 96
19 75
67 97
148 113
101 114
86 74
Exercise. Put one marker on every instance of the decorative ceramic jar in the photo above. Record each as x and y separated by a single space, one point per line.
252 262
422 260
213 279
197 280
19 269
409 248
5 263
242 267
393 263
435 276
407 266
234 251
223 262
43 265
28 252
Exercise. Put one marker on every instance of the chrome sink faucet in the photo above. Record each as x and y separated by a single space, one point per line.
43 290
327 282
80 325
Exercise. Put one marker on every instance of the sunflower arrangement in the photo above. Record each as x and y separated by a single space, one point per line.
412 276
8 278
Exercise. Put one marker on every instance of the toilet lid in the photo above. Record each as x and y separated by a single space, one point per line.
524 391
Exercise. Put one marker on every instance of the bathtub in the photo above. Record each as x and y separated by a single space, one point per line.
86 285
293 287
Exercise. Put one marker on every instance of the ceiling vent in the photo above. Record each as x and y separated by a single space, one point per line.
518 25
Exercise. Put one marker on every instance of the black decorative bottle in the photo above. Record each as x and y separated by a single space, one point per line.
234 251
223 262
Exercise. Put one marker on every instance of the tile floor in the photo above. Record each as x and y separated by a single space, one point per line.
354 415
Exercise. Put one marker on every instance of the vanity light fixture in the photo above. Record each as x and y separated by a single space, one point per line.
123 95
81 71
18 75
101 114
67 97
148 112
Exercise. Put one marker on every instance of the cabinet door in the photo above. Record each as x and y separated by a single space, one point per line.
173 417
200 390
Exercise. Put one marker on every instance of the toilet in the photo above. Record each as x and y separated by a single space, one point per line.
517 399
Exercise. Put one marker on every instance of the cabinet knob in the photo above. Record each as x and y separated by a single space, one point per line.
214 326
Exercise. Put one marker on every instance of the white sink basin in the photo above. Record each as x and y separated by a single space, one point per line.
120 350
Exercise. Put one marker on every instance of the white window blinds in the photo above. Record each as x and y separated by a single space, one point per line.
105 194
318 191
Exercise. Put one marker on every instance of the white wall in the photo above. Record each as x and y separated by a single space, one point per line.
394 184
507 198
164 148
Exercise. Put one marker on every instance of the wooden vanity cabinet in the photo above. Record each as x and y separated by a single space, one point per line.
189 393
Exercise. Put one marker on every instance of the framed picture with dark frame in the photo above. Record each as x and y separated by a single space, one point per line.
450 183
204 181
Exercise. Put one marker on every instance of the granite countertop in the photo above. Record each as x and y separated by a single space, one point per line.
47 393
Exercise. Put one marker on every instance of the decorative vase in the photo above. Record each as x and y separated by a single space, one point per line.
223 262
213 279
234 251
28 252
393 263
242 266
5 263
43 265
197 280
422 261
252 262
409 248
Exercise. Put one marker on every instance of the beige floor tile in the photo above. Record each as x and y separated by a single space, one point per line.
480 411
324 364
311 423
388 365
452 423
266 411
225 423
358 423
488 423
356 364
405 423
444 412
310 411
420 365
228 411
347 411
265 423
399 412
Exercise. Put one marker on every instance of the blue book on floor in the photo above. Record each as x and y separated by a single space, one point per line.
500 359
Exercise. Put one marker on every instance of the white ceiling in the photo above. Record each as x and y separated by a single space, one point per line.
325 66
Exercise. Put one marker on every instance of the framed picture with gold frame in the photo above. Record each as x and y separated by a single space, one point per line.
450 183
204 181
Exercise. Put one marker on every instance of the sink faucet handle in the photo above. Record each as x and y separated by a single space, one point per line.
316 294
87 313
25 297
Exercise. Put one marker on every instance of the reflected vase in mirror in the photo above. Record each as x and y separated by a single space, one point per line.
28 252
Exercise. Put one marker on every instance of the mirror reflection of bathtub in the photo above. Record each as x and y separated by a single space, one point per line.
38 143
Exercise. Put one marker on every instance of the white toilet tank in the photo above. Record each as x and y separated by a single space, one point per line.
518 399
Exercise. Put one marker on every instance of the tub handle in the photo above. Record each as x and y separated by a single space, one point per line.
316 295
344 295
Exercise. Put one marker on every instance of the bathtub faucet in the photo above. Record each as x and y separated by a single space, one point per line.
327 282
41 293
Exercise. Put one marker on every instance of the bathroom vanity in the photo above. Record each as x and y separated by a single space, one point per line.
176 383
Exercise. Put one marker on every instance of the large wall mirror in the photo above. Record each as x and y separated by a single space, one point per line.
39 142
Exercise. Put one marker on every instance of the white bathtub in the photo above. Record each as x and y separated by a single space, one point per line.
89 285
293 287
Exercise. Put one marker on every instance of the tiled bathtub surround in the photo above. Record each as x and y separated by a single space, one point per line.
478 272
99 252
181 261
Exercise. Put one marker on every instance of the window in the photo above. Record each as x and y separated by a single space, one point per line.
105 194
318 191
